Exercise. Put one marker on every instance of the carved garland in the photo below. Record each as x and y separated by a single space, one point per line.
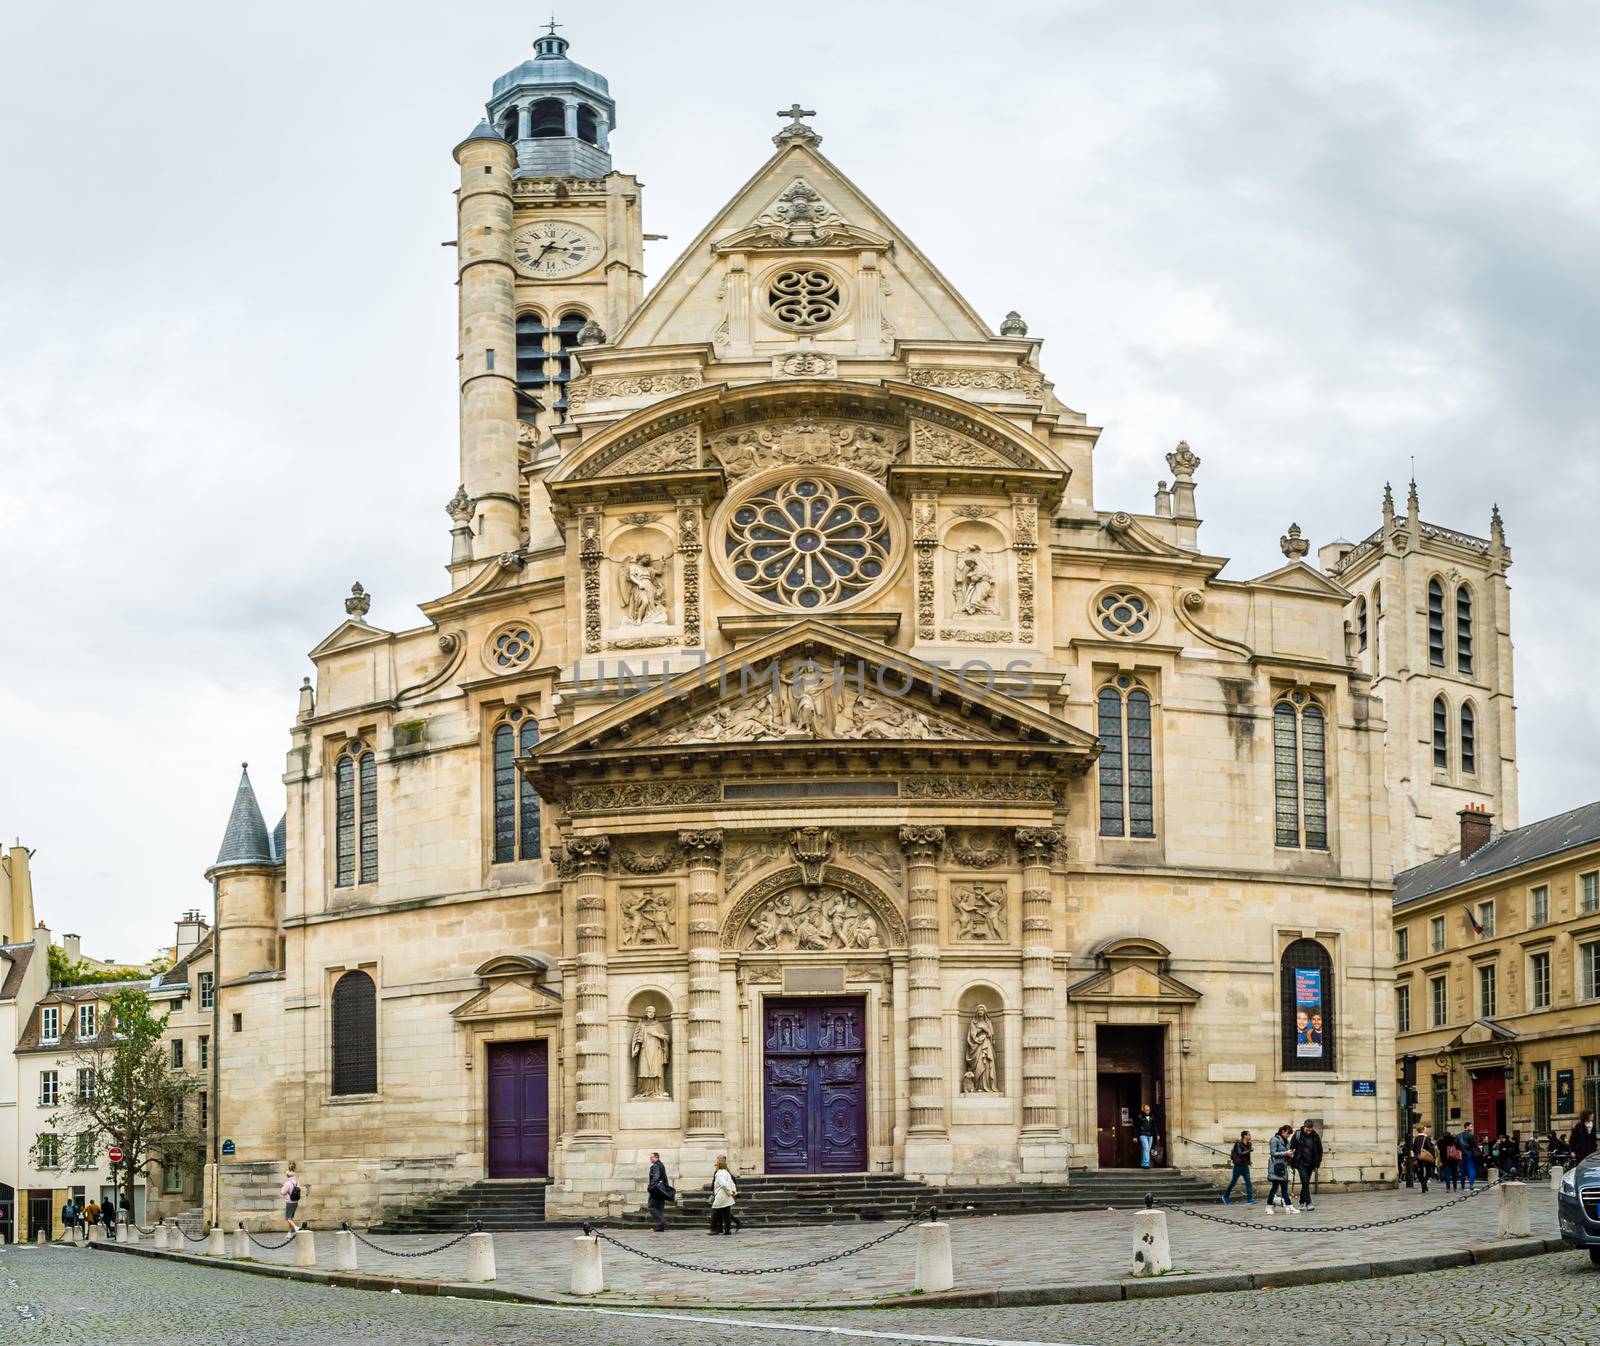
997 380
580 392
643 794
894 926
589 558
925 524
689 549
1025 542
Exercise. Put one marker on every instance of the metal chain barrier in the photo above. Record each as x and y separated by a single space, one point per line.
191 1238
477 1228
282 1243
758 1271
1321 1229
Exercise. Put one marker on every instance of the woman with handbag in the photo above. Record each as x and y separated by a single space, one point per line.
723 1193
1425 1155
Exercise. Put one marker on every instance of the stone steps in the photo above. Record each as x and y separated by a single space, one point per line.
497 1205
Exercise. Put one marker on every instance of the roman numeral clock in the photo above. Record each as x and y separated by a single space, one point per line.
550 250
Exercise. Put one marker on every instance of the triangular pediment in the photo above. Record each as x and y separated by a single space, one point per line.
800 203
1133 982
1482 1031
1302 578
508 998
349 635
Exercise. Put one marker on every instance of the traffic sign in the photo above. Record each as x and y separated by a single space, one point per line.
116 1154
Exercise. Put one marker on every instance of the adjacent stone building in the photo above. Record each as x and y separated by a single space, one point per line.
803 764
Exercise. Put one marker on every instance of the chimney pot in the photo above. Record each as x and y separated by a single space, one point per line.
1477 826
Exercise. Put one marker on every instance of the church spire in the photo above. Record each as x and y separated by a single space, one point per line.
246 841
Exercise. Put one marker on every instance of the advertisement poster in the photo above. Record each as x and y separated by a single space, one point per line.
1564 1099
1308 1012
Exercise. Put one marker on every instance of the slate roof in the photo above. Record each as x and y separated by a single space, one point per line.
69 997
246 841
280 838
17 958
1508 850
178 974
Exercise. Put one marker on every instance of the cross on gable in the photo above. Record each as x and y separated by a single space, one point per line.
553 25
794 112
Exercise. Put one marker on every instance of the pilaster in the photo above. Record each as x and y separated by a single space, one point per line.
928 1144
593 1049
704 851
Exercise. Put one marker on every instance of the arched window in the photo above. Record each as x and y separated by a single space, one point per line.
1127 767
1306 1008
548 118
1299 772
588 124
1361 624
1469 740
516 805
355 1035
1441 734
1377 629
531 378
1464 629
508 124
355 816
1436 623
566 329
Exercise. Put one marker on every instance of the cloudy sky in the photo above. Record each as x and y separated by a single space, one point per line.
1317 241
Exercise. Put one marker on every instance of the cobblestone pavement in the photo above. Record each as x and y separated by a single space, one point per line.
1006 1251
58 1296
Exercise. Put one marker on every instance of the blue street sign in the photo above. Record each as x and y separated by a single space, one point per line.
1364 1088
227 1148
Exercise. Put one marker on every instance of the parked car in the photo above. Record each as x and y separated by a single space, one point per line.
1579 1207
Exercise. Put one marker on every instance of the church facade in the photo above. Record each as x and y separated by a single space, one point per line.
803 765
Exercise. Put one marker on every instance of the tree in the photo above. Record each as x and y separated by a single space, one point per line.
124 1092
65 972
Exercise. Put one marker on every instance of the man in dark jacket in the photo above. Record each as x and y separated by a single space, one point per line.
1306 1159
1144 1127
1582 1140
1239 1157
658 1191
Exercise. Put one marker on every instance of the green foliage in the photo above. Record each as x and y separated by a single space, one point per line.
64 972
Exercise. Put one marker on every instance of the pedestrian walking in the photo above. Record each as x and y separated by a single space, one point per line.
658 1191
1145 1129
1306 1159
91 1214
1467 1143
1424 1155
1505 1158
1239 1157
69 1219
291 1199
108 1216
1581 1142
723 1193
1450 1165
1278 1167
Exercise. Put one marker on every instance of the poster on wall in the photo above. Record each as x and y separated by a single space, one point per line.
1564 1095
1308 1012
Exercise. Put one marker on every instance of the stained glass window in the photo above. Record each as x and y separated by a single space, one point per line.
1300 773
369 818
1127 767
516 803
528 844
355 816
808 543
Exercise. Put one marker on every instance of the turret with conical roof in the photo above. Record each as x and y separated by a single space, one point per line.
556 112
247 875
246 841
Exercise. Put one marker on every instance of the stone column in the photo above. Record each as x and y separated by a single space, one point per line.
704 849
593 1048
524 121
1037 846
925 1023
570 117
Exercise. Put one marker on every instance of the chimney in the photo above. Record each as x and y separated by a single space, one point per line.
1477 826
191 929
72 947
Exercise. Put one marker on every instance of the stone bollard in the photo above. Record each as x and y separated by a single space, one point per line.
129 1234
240 1242
934 1268
480 1256
1513 1221
305 1248
216 1242
94 1233
40 1239
1556 1175
1152 1251
344 1251
162 1238
588 1276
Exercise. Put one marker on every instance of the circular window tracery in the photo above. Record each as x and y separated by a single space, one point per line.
512 646
1124 612
804 298
808 542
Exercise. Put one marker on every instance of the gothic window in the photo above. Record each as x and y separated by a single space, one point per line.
1435 623
1127 776
355 816
1123 612
1469 740
1361 624
548 118
1306 1009
516 804
531 379
1464 630
1299 772
588 124
808 543
1377 628
355 1034
567 327
804 298
1441 734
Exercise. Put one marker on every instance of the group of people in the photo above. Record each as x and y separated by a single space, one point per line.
1289 1152
1467 1158
724 1191
74 1217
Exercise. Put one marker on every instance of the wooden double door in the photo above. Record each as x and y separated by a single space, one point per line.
519 1109
815 1085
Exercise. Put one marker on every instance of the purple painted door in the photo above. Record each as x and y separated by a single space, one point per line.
519 1109
816 1086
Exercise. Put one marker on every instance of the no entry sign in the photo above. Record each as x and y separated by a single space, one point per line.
116 1154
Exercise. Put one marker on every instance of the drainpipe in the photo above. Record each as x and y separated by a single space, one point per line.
214 1144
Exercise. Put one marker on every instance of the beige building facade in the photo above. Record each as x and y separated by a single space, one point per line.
802 764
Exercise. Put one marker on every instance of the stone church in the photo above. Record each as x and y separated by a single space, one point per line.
803 765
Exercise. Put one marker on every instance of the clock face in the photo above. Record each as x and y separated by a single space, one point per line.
551 248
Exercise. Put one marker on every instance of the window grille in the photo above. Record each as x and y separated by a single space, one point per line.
531 377
355 1035
1307 1010
1441 735
1464 630
1541 1098
804 298
1361 624
1435 623
1469 740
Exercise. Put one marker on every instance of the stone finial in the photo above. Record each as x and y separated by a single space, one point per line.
1413 503
1292 545
1388 502
1013 326
460 507
308 701
1497 528
1163 501
591 334
796 132
1183 460
359 602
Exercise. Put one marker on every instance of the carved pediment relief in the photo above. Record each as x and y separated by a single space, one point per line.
808 442
676 451
801 217
842 913
800 208
938 446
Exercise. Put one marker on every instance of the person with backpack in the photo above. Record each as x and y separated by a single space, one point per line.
1425 1154
291 1199
1306 1158
1239 1157
658 1191
1278 1168
1450 1166
69 1219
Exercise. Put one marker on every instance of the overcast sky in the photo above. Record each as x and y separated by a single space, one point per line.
1315 241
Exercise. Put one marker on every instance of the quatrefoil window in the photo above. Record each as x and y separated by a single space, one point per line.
808 542
804 298
512 646
1123 612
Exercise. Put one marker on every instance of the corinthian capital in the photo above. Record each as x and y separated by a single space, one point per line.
1037 845
704 844
587 855
921 844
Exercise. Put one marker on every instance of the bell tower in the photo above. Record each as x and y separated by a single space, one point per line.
550 257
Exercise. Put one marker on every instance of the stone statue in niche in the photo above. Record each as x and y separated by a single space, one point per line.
647 917
814 919
974 584
652 1045
980 1076
979 910
644 590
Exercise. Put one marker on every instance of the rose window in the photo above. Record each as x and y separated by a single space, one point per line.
511 647
1124 613
804 298
808 543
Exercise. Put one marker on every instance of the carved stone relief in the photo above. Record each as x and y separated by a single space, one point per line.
995 380
937 446
978 912
871 909
973 591
746 856
678 451
804 365
979 850
590 555
637 860
812 918
808 442
875 850
643 794
648 917
580 392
